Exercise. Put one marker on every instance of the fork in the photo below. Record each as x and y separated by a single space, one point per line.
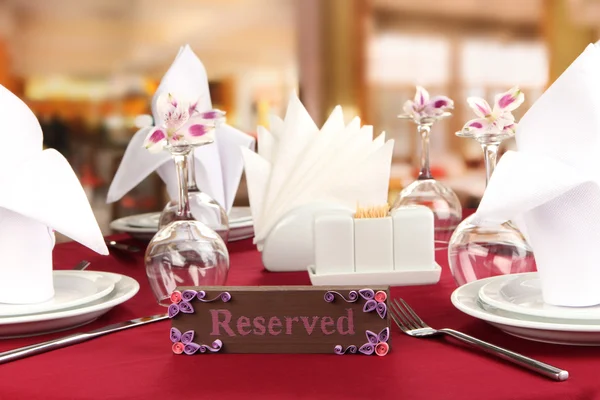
411 324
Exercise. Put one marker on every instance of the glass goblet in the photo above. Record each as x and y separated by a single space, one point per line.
480 249
426 191
185 252
202 207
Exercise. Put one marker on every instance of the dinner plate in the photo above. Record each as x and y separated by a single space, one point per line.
37 324
145 226
148 220
522 294
557 331
71 289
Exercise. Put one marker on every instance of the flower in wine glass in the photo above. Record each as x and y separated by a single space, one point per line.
180 123
425 107
498 120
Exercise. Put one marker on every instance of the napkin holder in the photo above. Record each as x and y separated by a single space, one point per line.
289 246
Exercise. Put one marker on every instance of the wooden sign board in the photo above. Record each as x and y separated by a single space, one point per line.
280 319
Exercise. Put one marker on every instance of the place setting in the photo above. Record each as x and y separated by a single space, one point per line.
213 170
549 190
34 298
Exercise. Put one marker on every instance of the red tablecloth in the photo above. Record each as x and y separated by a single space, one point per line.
138 363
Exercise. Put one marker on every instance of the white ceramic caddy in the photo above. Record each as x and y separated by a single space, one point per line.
339 250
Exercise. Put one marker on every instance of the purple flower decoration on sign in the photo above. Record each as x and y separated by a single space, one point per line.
375 301
183 306
375 341
183 343
330 296
182 302
376 344
339 349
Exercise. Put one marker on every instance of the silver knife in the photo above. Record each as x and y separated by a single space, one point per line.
65 341
122 246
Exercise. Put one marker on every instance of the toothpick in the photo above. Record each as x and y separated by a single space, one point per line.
372 211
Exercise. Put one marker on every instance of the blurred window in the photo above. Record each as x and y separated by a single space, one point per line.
397 62
481 66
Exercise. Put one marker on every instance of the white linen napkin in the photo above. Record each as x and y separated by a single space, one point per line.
550 186
218 166
40 193
299 164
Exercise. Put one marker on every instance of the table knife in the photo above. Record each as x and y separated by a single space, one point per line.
65 341
122 246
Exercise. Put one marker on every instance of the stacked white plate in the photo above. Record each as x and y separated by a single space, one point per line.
145 226
80 297
514 304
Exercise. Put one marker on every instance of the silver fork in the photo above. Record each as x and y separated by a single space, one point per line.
410 323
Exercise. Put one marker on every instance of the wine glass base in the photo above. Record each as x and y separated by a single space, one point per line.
185 253
478 252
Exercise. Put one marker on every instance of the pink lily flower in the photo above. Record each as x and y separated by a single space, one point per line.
181 124
498 120
425 107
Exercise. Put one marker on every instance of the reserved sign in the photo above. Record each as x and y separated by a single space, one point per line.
280 319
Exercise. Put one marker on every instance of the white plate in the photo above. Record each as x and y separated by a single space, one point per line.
558 331
239 215
522 294
37 324
71 289
144 226
149 220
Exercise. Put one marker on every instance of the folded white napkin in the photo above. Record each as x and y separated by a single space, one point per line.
299 164
40 193
550 186
218 166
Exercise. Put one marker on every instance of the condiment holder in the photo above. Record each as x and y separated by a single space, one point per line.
339 246
374 247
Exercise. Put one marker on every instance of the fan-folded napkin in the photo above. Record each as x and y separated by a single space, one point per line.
41 193
218 165
298 164
550 187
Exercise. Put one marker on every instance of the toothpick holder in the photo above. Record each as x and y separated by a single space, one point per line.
395 250
373 246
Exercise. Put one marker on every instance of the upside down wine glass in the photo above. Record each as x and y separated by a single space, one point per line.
478 249
426 191
185 252
202 207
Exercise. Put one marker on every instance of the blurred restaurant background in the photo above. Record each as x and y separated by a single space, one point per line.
88 69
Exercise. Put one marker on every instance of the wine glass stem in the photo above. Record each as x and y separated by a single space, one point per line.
425 172
490 156
191 178
181 159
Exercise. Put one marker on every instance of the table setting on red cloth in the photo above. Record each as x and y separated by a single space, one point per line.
319 242
137 364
